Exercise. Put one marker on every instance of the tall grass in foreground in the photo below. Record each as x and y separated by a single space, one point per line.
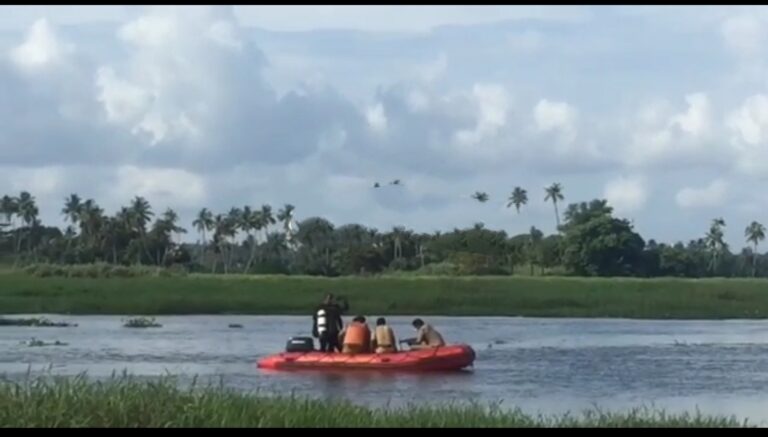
124 402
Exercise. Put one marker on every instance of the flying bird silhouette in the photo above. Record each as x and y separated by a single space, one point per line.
395 182
376 185
480 196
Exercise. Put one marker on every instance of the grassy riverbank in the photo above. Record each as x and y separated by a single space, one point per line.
463 296
127 403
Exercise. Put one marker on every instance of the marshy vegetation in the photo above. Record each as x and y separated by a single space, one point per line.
662 298
35 321
34 342
124 402
141 322
99 270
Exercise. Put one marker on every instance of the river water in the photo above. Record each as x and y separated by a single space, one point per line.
540 365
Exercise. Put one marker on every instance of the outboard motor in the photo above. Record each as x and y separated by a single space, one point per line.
300 344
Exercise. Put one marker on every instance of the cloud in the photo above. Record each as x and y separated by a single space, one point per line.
161 186
195 108
377 119
123 101
662 137
393 18
555 116
626 194
710 196
748 126
492 106
41 47
696 121
744 35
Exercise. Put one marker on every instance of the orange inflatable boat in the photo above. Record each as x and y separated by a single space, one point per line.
452 357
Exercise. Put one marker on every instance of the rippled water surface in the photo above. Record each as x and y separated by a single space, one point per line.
540 365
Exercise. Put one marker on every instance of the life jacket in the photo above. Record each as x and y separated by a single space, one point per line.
357 334
383 335
322 321
327 317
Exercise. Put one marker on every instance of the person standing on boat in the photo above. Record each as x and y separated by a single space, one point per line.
327 322
426 336
383 338
357 337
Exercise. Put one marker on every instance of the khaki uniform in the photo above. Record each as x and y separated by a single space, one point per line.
383 340
429 337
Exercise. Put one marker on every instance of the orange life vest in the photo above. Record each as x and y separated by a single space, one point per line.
357 334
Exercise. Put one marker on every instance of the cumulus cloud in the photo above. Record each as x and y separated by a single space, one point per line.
749 135
710 196
626 194
555 117
40 48
664 137
172 102
696 121
377 119
123 101
492 104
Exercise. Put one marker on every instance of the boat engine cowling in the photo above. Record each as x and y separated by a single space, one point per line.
300 344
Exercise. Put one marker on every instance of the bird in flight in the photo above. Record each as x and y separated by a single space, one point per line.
480 196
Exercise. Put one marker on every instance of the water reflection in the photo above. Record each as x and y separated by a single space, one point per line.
540 365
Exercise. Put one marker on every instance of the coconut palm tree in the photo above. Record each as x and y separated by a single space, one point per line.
714 242
71 210
285 216
554 193
518 198
755 233
250 220
141 212
27 210
8 208
267 219
233 224
203 223
164 229
90 216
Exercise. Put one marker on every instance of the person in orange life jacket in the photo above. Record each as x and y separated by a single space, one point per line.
357 337
426 336
327 322
383 338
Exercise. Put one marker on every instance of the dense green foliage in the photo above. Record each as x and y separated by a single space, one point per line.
405 295
123 402
590 241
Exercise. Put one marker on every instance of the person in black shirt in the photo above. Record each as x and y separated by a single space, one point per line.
327 323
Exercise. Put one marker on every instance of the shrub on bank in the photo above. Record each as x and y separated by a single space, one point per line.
124 402
102 270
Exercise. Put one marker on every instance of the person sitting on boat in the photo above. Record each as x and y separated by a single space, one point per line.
327 323
426 336
383 338
357 337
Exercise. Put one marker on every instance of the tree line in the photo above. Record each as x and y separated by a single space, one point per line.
590 241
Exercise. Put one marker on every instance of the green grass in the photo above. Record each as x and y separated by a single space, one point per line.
22 293
34 321
123 402
142 322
